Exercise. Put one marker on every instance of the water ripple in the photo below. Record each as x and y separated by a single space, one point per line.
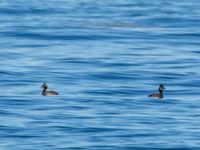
104 58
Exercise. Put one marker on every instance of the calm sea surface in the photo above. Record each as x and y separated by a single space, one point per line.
103 57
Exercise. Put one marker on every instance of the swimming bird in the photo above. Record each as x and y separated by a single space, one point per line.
45 92
160 95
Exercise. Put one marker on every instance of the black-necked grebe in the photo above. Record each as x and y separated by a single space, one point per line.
160 95
45 92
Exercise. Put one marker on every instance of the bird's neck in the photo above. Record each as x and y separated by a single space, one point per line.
161 92
44 91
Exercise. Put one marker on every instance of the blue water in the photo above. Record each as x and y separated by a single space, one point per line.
104 58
